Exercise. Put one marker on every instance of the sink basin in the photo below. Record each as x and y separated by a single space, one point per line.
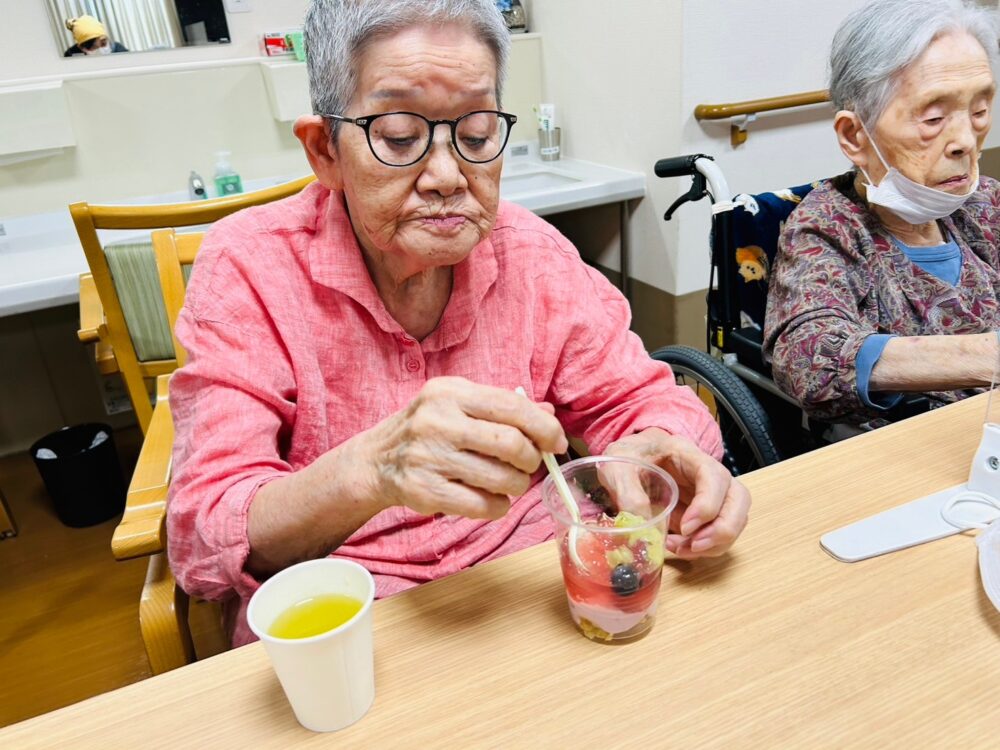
534 181
566 185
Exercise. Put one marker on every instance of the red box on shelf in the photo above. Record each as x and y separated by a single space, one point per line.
276 44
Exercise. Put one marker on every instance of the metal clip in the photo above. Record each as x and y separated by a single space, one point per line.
738 129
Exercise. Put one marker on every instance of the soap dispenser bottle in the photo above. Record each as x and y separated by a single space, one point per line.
227 181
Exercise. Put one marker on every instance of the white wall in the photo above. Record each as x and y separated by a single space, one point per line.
142 134
32 50
739 51
612 69
628 74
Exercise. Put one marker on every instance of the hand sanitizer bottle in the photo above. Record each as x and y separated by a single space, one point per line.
227 182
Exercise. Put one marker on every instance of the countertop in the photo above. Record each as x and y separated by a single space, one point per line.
41 258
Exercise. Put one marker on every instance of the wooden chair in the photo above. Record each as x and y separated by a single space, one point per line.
7 526
163 606
174 252
104 321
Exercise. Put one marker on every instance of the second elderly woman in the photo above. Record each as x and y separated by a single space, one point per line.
887 279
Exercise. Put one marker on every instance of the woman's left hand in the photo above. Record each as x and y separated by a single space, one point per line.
713 506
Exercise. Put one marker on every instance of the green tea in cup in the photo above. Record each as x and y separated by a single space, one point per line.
315 615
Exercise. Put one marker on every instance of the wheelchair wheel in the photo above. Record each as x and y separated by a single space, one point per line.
746 430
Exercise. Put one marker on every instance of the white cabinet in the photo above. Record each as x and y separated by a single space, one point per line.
34 121
287 88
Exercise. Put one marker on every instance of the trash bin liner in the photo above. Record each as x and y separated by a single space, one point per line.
80 468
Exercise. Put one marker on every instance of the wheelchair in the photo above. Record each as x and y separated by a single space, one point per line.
760 423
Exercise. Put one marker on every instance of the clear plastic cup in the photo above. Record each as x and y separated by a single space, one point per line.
329 679
624 505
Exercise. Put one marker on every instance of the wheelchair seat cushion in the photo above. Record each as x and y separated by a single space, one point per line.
757 223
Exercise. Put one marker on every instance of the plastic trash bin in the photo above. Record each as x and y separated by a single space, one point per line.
82 474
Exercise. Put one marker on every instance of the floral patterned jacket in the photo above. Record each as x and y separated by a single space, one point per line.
839 277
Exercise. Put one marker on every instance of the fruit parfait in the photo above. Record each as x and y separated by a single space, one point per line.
613 579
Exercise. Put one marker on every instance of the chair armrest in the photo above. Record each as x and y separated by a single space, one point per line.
163 617
93 329
142 531
91 312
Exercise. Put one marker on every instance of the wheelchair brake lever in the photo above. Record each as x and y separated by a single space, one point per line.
696 192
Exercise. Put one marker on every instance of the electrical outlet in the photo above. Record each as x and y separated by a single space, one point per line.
520 149
238 6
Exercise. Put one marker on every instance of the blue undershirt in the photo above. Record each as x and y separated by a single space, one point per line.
944 262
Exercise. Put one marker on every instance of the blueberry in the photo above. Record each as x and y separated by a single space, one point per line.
625 580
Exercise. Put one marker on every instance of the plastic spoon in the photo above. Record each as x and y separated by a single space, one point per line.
567 498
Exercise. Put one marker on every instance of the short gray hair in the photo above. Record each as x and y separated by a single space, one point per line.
876 43
337 32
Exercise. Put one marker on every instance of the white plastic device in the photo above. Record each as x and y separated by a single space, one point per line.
921 520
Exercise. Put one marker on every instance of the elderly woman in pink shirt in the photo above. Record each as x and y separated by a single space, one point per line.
354 350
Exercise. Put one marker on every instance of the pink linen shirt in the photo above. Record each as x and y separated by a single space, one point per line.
292 352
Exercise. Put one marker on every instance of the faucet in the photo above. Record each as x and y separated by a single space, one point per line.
196 187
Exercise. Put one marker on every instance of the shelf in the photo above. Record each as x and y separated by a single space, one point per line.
287 82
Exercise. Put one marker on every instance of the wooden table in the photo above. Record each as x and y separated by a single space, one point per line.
778 645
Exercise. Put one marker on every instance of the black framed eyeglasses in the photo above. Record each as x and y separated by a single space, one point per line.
399 139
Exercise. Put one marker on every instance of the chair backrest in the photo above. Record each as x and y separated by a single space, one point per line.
175 254
757 223
125 276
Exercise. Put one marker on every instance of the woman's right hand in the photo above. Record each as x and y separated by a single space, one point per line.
460 448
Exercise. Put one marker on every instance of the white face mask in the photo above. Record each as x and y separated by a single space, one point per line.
988 540
105 50
909 200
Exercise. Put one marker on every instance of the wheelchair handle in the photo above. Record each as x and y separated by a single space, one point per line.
678 166
699 165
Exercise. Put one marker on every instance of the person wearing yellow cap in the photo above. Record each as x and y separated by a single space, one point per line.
91 37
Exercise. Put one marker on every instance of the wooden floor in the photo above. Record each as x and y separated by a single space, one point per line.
69 625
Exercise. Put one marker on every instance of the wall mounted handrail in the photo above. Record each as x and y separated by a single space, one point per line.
747 111
753 106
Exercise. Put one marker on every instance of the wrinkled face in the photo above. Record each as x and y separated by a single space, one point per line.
934 127
432 213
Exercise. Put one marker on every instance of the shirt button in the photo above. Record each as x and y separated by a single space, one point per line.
412 365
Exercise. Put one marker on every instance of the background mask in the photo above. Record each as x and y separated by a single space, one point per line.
909 200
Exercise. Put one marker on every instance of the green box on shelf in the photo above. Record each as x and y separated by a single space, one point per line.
297 43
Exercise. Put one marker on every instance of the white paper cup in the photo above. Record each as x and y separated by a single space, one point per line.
329 679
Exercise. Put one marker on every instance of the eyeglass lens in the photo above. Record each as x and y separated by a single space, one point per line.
401 138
